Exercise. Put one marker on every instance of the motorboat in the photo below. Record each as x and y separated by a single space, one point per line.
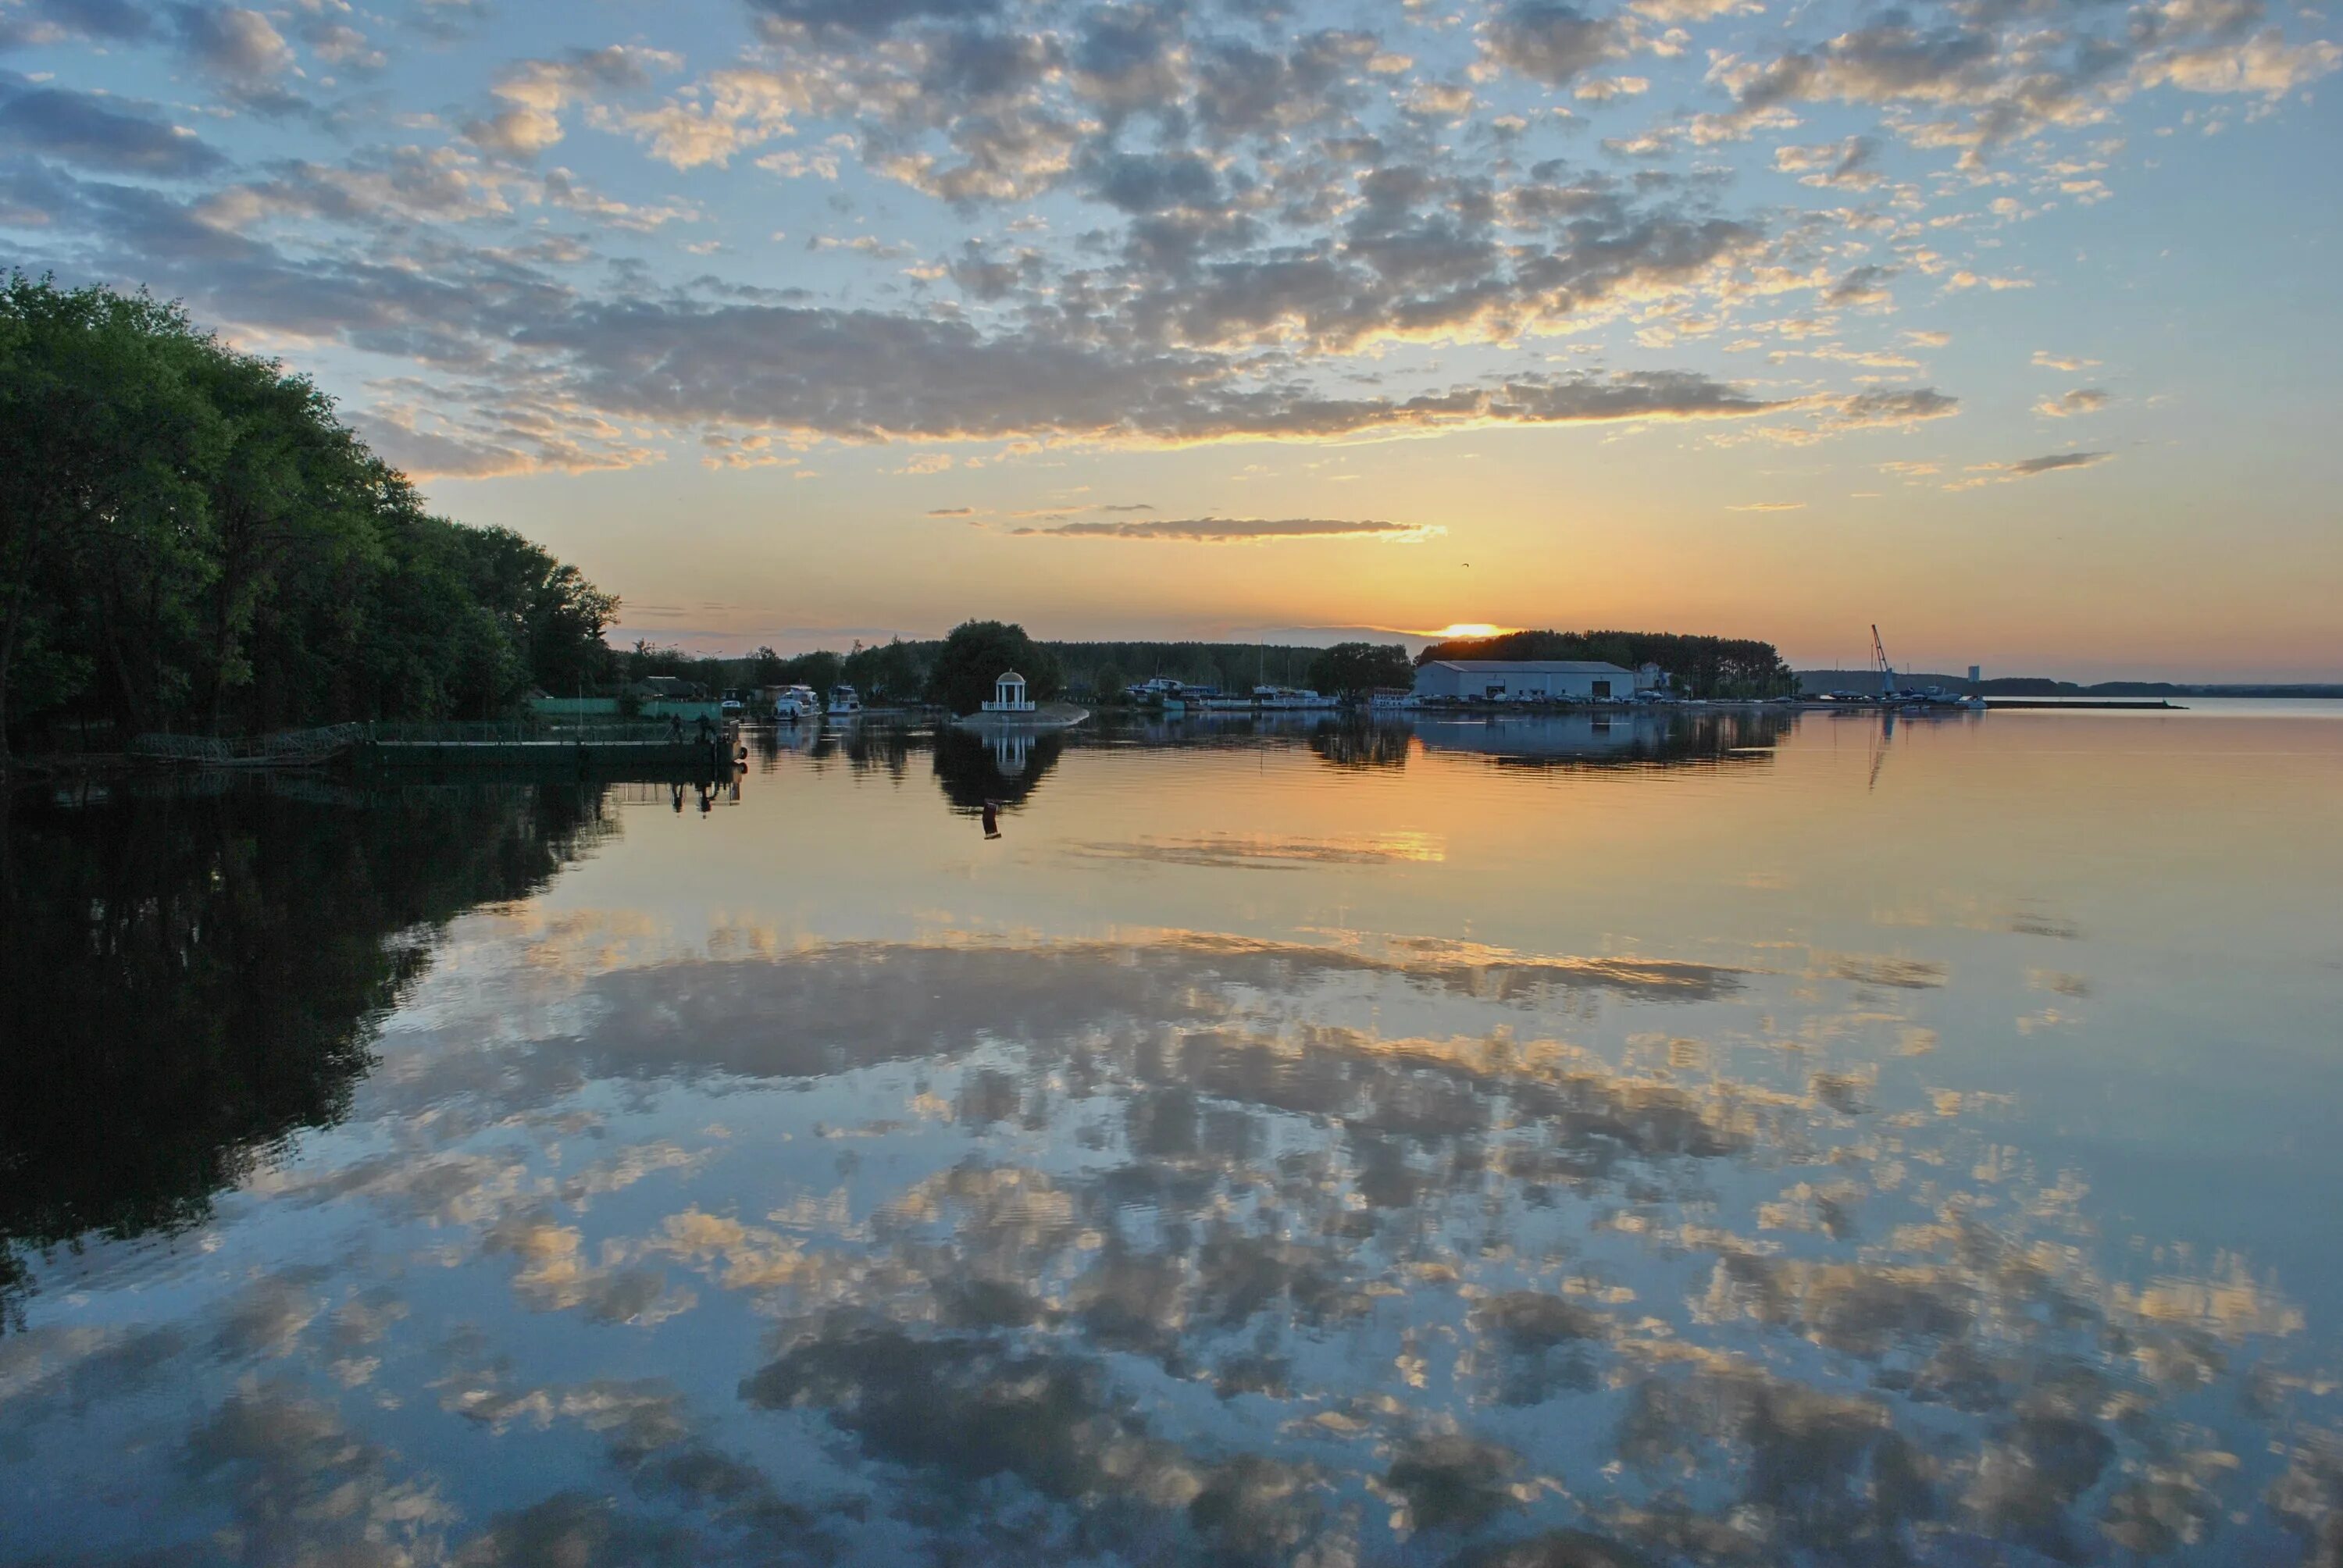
796 703
844 701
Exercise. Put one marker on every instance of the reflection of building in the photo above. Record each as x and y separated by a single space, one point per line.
1595 739
1528 680
1002 767
1010 750
1008 695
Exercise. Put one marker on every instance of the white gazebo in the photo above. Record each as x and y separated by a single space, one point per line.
1008 695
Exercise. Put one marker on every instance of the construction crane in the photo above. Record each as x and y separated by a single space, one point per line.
1879 660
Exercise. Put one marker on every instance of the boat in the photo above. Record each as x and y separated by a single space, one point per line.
844 701
796 703
1286 698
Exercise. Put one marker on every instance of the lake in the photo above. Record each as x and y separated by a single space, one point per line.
1728 1138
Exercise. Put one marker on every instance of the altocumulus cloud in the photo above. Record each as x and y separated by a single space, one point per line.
1307 222
2081 400
1241 530
96 132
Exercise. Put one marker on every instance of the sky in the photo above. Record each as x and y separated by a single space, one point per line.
2008 325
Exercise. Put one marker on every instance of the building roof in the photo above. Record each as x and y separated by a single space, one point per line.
1530 666
1008 675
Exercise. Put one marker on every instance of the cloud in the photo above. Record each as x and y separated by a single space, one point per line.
96 132
232 42
1551 42
866 17
2026 468
1769 507
539 90
1989 74
483 438
1869 409
862 375
113 21
2081 400
1861 286
1846 166
2051 464
726 113
1241 530
952 511
2047 360
338 44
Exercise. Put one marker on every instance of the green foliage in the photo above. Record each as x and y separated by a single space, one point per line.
190 540
1232 666
1348 667
1697 666
818 670
977 653
893 672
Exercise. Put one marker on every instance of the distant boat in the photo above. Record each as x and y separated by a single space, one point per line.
1286 698
794 703
844 701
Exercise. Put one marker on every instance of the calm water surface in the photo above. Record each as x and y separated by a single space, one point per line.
1741 1140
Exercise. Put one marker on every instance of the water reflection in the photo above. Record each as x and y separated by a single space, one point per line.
1051 1229
997 772
1629 737
186 976
1363 742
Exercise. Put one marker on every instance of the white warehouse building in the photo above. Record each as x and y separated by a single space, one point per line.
1530 680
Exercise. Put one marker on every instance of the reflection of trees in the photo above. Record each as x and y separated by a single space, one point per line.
186 979
872 747
1004 767
1362 743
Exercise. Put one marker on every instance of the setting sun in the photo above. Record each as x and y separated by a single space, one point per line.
1468 629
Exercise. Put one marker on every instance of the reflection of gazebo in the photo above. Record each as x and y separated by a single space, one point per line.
1008 695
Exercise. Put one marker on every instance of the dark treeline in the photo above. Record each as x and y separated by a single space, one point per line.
190 540
2043 686
1698 666
1103 669
188 978
903 672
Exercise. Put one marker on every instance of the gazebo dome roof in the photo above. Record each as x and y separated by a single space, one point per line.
1007 676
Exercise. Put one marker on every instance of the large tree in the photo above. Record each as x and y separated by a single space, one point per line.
191 540
102 438
978 653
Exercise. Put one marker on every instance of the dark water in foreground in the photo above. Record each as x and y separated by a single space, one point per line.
1741 1142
